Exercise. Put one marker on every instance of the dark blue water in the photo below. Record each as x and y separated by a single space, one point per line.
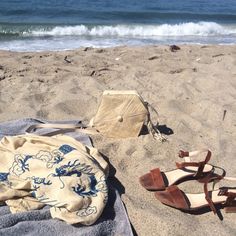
58 24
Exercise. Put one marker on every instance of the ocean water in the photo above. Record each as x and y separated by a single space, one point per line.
36 25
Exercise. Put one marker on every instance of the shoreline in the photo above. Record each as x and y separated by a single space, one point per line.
191 88
122 46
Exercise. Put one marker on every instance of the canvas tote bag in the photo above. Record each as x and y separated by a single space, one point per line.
58 171
121 114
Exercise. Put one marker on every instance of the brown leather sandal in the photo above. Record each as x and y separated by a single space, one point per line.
225 196
157 180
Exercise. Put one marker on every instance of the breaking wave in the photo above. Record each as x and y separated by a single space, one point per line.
184 29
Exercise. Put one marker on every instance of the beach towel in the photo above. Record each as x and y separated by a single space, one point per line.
39 222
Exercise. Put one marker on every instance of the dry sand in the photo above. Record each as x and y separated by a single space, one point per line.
191 88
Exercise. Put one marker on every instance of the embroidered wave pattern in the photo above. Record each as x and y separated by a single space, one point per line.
3 176
38 180
95 187
21 165
87 211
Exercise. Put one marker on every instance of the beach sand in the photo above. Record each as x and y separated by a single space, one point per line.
191 88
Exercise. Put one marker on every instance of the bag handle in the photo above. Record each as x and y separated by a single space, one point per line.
62 127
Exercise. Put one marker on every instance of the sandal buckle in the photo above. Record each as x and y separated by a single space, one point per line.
222 192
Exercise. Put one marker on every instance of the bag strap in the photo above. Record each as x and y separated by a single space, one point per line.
151 127
62 128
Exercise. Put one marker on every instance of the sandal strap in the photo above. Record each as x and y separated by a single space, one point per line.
200 165
222 191
225 191
208 179
157 178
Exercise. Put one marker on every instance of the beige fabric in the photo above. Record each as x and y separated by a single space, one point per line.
121 114
58 171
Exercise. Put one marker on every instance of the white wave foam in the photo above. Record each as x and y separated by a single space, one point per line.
184 29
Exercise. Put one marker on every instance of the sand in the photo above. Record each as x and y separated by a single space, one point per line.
191 88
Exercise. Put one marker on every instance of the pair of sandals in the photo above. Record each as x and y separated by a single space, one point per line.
166 190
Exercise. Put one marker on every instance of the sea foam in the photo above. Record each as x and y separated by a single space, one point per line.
184 29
